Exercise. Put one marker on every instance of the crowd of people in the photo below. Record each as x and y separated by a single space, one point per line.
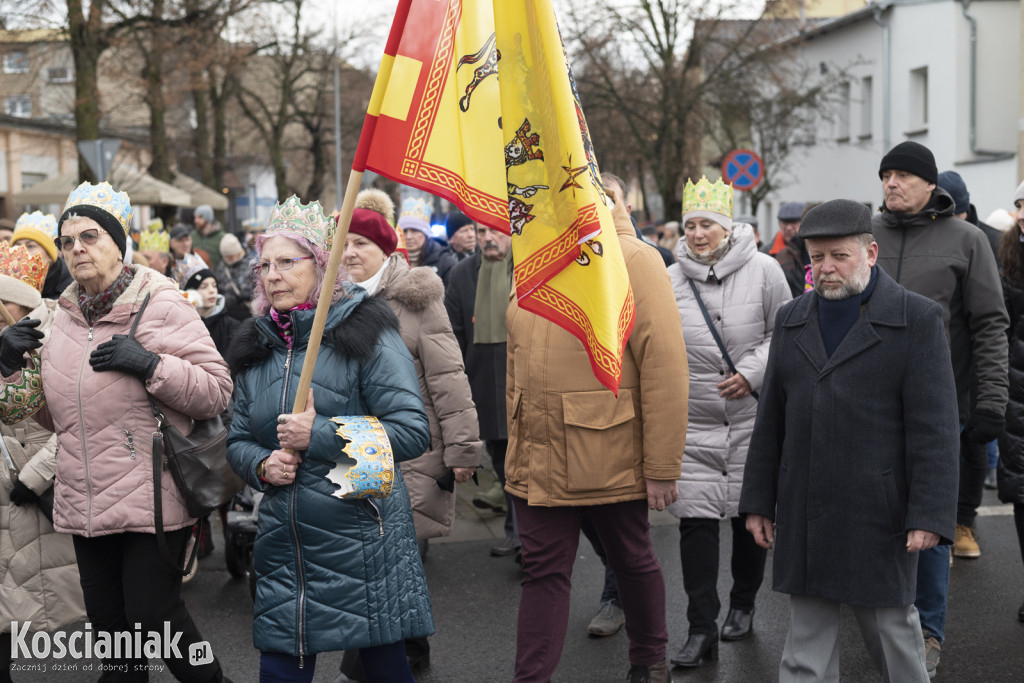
842 395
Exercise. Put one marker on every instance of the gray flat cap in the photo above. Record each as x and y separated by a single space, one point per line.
837 218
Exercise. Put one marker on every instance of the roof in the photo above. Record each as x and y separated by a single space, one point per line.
33 35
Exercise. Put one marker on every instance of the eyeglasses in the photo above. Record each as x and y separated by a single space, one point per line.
86 237
281 264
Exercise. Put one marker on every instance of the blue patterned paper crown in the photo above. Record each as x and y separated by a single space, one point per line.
307 220
37 220
105 198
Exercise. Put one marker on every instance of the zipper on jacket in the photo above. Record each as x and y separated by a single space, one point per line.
294 526
376 514
899 263
130 443
81 429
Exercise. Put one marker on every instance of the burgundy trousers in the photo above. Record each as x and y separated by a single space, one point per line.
550 537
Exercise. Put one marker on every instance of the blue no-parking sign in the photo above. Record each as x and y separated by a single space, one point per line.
742 168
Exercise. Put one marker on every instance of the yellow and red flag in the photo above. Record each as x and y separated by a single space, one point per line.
474 102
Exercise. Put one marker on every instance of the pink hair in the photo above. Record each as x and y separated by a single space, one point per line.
260 301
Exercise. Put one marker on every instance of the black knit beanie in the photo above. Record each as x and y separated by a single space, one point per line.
105 220
455 221
911 157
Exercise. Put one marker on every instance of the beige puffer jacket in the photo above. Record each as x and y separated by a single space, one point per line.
103 420
417 298
38 572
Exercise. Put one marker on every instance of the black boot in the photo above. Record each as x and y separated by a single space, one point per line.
738 624
417 651
699 648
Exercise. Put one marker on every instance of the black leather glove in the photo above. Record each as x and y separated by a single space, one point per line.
15 341
124 354
22 495
984 426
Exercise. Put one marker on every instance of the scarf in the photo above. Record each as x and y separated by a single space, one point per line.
836 318
284 322
493 285
95 307
414 256
713 256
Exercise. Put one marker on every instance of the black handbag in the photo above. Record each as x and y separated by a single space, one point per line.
198 465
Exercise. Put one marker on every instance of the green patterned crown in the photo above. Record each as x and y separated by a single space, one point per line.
307 220
707 197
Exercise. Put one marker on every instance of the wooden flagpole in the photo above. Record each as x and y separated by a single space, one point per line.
323 304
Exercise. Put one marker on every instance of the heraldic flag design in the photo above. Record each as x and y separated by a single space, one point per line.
474 102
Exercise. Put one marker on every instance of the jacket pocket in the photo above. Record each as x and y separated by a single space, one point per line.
892 503
516 461
599 443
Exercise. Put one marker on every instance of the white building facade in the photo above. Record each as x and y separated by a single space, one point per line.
913 76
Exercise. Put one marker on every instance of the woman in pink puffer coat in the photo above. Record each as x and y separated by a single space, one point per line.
93 380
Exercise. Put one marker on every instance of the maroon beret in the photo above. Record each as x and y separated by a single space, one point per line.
372 226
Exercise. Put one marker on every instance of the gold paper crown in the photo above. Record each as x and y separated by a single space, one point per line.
45 223
103 197
17 263
154 240
307 220
704 196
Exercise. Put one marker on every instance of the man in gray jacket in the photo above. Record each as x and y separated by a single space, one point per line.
924 247
852 462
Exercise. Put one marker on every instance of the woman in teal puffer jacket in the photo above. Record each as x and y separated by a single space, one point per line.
331 573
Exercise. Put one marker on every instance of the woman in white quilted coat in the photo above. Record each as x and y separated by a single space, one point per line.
741 289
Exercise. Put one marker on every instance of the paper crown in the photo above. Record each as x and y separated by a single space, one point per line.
415 215
103 197
368 468
704 196
46 223
154 239
17 263
307 220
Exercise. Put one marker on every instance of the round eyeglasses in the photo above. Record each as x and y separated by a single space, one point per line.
281 265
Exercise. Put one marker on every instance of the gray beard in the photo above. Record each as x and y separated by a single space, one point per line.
857 283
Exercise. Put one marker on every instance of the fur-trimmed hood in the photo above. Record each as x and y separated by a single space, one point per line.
414 288
353 327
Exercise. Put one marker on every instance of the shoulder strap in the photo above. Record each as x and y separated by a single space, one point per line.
138 316
158 465
714 332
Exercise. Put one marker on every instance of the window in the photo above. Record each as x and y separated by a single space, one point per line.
16 62
30 179
18 105
918 99
867 107
843 115
59 74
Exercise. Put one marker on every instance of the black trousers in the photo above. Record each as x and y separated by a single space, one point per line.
973 468
699 549
5 658
126 582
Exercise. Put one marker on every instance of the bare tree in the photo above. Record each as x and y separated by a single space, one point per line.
676 71
276 75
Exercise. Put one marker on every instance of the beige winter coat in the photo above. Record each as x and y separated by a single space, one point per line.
38 573
417 298
570 440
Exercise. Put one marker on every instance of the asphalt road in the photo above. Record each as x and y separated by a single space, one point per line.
475 600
